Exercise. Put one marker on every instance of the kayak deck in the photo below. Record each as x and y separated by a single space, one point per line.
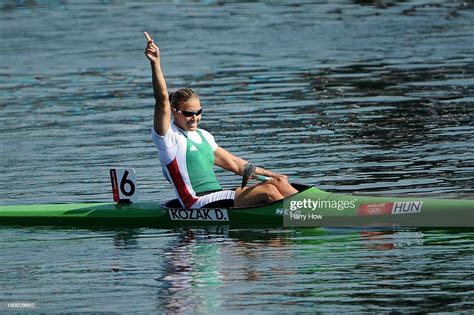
143 214
322 209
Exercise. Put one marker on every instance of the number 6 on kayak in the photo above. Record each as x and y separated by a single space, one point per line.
124 185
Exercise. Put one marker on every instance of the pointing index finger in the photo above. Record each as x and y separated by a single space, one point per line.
148 37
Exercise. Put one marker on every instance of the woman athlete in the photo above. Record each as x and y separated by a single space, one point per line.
188 154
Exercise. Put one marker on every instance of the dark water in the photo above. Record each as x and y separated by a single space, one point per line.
210 271
374 97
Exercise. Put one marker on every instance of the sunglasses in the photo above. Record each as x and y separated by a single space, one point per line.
188 113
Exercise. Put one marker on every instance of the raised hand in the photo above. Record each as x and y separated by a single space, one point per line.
152 52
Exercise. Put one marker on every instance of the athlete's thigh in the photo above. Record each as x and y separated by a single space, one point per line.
259 193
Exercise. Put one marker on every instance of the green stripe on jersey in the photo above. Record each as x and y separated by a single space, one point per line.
200 165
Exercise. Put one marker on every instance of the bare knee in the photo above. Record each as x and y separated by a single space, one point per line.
278 181
256 195
272 193
283 186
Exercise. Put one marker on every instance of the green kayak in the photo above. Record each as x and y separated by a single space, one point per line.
310 207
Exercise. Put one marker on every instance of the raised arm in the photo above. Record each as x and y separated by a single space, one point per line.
162 116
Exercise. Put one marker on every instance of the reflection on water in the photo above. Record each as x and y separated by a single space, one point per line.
311 268
192 264
219 269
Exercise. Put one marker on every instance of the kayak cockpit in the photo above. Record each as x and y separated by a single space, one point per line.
174 203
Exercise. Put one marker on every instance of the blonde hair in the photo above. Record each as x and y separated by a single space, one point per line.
181 96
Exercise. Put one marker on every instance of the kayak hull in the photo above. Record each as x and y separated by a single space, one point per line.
322 209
